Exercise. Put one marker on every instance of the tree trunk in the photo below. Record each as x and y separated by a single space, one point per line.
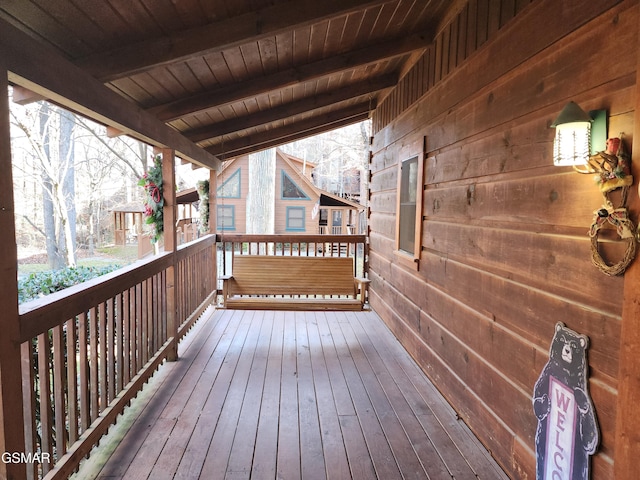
51 235
58 188
67 200
261 199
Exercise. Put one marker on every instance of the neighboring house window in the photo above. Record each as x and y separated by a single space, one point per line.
409 211
296 219
226 217
230 188
290 190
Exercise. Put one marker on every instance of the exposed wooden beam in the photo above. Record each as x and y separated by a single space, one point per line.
12 431
293 108
217 36
293 131
39 68
252 88
300 135
24 96
113 132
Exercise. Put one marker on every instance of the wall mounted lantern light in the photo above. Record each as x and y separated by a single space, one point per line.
572 143
578 136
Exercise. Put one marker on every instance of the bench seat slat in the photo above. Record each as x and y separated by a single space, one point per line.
270 303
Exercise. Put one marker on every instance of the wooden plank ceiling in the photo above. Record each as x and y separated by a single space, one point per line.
236 76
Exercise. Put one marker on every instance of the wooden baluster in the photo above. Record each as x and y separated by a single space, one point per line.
102 376
29 404
153 316
111 357
126 339
163 310
144 346
119 370
46 413
83 340
93 363
72 380
149 319
59 378
140 325
133 336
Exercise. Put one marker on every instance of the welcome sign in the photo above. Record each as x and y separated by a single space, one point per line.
561 432
567 431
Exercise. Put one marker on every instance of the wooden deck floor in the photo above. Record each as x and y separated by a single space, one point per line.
292 395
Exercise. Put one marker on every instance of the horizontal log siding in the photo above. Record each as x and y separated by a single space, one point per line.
505 252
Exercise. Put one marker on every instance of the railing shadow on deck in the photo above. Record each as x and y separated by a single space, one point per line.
89 349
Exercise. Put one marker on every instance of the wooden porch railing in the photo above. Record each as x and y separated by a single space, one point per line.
88 350
355 246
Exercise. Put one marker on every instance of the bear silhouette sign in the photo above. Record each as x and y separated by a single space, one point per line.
567 432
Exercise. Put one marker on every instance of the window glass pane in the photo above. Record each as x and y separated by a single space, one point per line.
336 218
324 216
226 217
409 180
231 187
407 213
295 218
290 189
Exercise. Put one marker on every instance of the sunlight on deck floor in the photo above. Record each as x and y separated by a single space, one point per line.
292 395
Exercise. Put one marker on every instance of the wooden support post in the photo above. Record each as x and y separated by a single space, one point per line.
213 212
170 244
11 414
627 433
213 222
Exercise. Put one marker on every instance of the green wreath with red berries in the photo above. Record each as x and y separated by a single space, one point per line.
154 200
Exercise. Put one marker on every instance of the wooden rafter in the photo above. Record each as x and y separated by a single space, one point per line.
217 36
293 108
252 88
293 131
38 68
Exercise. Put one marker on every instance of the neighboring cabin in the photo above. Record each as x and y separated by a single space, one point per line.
294 205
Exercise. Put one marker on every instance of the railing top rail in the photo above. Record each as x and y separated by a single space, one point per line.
293 238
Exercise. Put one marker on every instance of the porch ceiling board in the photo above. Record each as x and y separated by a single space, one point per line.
216 36
292 394
232 68
240 91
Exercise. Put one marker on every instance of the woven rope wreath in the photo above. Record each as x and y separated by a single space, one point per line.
619 218
613 172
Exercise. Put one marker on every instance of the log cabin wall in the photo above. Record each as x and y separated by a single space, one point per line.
504 252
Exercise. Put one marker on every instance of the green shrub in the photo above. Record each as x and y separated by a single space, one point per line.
43 283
